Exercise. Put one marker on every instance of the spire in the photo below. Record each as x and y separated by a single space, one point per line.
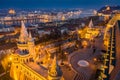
55 61
55 70
108 8
63 18
30 37
91 24
23 33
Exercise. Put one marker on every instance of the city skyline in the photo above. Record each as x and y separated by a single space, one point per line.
87 4
59 40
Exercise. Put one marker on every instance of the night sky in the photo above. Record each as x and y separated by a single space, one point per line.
56 3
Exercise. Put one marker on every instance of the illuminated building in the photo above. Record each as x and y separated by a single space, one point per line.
110 24
110 68
11 11
54 71
108 11
105 13
89 32
24 65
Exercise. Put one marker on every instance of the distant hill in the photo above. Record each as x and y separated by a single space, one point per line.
109 9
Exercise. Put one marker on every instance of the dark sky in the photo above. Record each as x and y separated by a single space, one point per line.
56 3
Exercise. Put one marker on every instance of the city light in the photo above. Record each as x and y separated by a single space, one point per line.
10 58
59 40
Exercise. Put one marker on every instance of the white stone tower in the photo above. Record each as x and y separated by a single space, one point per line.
25 44
23 38
31 45
55 72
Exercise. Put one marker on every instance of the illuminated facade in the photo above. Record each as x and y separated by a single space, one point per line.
110 24
110 68
54 71
24 66
89 32
105 13
11 11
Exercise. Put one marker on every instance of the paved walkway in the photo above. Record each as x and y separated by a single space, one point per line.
118 76
86 73
68 74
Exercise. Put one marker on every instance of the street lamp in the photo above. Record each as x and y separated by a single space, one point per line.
10 58
84 44
95 59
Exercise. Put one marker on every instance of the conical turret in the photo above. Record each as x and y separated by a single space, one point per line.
31 44
91 24
23 40
23 33
30 37
55 72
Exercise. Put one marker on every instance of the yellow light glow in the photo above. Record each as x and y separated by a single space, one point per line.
95 59
10 58
79 32
84 43
11 11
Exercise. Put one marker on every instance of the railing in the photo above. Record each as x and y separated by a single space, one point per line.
110 56
111 23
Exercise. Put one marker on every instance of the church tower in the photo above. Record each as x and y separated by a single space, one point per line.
54 72
22 42
26 42
25 46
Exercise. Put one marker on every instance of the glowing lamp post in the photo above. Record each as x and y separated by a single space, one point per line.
10 58
9 61
84 44
95 59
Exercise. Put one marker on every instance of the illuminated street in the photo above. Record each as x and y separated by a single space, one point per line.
88 55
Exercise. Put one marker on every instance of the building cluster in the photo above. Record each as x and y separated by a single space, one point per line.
107 11
23 61
37 17
89 32
29 61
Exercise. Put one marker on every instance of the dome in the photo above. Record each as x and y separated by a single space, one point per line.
11 11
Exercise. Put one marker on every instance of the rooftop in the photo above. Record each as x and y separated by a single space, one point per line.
38 68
